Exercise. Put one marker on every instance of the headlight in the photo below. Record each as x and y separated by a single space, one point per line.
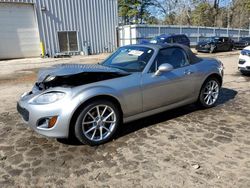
153 41
49 78
207 46
49 97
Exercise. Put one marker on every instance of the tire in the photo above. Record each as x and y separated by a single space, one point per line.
209 92
230 48
97 123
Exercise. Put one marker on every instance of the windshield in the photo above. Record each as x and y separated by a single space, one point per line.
130 58
212 39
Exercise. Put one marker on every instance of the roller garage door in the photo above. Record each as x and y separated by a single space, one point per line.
19 36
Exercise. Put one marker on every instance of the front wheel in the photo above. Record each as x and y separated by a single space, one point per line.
97 123
230 48
209 93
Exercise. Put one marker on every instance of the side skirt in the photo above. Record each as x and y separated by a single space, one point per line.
158 110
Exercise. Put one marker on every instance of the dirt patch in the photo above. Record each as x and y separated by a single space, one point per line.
19 77
159 151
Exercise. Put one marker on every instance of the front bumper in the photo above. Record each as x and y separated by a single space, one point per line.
32 114
244 63
244 69
202 49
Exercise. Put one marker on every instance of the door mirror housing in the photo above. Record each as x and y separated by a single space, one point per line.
166 67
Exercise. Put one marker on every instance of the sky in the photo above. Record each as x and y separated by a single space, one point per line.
223 3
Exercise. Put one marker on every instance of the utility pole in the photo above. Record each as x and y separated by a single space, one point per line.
249 27
228 15
141 11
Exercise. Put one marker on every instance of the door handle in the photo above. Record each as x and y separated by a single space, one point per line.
188 72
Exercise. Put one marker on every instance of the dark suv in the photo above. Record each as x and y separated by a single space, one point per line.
215 44
179 38
242 43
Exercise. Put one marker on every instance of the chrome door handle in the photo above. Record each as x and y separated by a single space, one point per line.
188 72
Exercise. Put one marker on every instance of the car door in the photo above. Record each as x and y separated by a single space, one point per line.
220 44
176 39
169 87
170 40
226 44
185 40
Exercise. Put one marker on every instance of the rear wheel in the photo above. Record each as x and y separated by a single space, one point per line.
209 92
97 123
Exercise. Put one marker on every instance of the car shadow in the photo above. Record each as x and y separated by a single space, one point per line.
225 96
247 75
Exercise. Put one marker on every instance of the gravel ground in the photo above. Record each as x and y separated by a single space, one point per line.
185 147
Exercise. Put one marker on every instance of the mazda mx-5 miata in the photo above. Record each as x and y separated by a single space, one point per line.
90 102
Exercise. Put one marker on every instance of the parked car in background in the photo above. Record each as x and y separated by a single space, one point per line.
242 43
244 61
92 101
215 44
172 38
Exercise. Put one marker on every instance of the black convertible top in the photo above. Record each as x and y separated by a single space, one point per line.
192 57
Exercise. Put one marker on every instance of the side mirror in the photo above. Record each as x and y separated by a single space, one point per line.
164 68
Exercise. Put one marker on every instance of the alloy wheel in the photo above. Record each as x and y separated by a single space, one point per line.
211 92
99 122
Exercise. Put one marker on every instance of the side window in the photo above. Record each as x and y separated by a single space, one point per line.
221 40
184 39
174 56
177 39
169 40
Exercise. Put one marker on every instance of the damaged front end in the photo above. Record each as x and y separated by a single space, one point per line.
72 75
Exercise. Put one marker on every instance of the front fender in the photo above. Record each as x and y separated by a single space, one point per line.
84 95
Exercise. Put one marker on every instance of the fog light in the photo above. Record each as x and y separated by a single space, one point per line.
47 123
52 122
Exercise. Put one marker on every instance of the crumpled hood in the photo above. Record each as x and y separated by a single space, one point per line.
71 75
73 69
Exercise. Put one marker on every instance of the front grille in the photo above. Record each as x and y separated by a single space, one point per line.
24 113
241 62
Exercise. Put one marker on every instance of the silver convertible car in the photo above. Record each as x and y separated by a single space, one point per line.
90 102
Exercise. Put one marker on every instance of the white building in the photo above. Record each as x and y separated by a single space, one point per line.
67 26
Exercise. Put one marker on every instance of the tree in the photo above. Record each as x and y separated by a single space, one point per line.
203 15
135 11
240 13
218 13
